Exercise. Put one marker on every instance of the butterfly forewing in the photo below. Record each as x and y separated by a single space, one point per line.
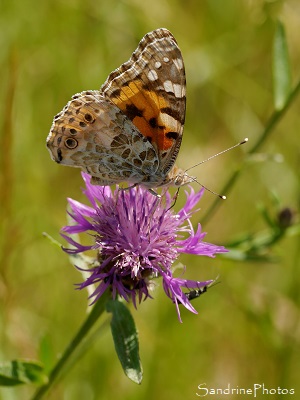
150 90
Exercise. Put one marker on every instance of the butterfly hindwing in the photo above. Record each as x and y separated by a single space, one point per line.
95 135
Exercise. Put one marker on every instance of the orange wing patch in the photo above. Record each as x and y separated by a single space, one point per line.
144 108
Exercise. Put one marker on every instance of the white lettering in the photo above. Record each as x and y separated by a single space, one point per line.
256 388
264 390
257 391
204 389
227 390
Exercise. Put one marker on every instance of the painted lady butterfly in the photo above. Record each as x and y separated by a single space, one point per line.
131 129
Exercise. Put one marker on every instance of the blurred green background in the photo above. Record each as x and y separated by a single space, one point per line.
247 330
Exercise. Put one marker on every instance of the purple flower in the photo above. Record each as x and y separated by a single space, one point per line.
137 237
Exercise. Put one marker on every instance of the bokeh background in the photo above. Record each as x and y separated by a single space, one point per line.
247 330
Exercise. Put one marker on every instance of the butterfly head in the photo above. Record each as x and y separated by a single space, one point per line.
177 177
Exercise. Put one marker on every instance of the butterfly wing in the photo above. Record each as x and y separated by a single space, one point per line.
92 133
150 90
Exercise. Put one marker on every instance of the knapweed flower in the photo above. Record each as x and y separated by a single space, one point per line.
137 237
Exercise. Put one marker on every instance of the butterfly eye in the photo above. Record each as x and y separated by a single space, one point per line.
71 143
178 180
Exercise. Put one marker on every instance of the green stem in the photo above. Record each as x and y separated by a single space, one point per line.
78 339
273 121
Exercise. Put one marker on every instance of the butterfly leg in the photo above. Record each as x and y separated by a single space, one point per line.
175 199
154 193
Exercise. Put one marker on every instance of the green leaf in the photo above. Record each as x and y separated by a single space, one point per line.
281 68
46 354
18 372
125 339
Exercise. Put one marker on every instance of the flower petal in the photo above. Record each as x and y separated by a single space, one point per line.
138 238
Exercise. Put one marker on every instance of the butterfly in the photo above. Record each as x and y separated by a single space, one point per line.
131 129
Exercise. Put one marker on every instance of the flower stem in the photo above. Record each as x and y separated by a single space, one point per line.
78 339
273 121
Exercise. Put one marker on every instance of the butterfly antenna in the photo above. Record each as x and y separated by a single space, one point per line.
209 158
218 154
206 188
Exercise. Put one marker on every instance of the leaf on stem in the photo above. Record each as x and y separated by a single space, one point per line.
18 372
281 68
125 339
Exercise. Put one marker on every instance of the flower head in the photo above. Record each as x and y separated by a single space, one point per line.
137 239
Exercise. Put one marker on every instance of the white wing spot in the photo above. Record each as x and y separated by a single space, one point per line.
152 75
178 90
166 59
175 88
157 64
178 62
168 86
